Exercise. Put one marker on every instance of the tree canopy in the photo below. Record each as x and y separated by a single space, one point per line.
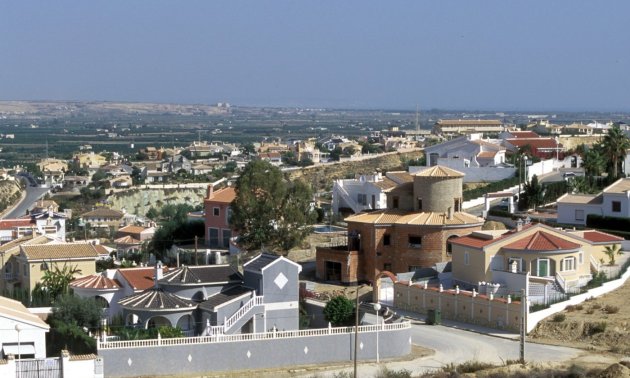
270 212
614 146
339 311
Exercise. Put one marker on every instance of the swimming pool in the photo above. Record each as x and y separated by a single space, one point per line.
326 229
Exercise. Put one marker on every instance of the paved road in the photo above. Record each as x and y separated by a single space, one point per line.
32 195
452 345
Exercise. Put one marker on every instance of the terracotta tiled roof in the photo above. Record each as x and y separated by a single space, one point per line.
415 218
58 251
439 171
386 183
127 240
601 237
95 281
473 241
542 241
103 212
225 195
534 142
400 176
524 134
24 240
101 250
139 278
487 154
8 224
156 299
131 229
83 357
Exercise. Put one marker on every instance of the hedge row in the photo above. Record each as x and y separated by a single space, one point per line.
608 223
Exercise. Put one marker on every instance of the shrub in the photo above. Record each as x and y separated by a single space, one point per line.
610 309
384 372
590 311
608 223
339 311
467 367
594 328
558 318
571 308
596 306
579 307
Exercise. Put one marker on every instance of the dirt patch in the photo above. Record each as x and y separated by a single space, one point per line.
601 324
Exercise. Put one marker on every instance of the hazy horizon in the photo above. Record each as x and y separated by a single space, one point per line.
484 56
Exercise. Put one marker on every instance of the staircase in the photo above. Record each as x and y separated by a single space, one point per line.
343 193
242 313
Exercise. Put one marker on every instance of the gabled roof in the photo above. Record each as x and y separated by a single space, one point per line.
264 260
439 171
16 311
103 212
24 240
59 251
156 299
225 195
487 154
95 281
584 199
399 176
203 274
542 241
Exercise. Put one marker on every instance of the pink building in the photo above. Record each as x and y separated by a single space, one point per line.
217 218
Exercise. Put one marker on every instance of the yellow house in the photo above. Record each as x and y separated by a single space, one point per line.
538 250
90 160
8 278
30 264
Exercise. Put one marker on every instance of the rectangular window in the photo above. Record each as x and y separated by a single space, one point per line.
228 215
395 202
581 258
362 199
568 263
616 206
515 264
415 241
213 237
579 215
227 235
466 258
419 204
387 239
216 211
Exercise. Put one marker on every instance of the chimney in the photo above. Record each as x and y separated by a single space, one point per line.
158 273
519 225
450 212
210 191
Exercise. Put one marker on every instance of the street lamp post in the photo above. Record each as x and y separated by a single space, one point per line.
377 308
18 328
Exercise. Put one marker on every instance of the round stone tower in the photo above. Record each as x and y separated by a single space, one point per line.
438 189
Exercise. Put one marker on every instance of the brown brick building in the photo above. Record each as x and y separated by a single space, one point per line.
412 233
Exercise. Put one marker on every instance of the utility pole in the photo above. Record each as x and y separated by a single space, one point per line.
523 325
356 330
196 258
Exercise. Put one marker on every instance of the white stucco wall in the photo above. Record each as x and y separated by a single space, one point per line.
566 212
29 334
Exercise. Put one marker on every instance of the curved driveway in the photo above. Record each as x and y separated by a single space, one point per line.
452 345
32 195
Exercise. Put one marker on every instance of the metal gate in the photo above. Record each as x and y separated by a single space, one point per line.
386 294
38 368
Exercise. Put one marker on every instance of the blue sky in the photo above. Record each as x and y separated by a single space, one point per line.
501 55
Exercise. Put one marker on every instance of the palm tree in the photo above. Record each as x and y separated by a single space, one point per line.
593 163
615 145
611 251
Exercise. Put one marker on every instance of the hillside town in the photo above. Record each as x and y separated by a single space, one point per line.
218 243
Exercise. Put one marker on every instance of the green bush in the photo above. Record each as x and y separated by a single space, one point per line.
594 328
610 309
339 311
608 223
559 318
384 372
467 367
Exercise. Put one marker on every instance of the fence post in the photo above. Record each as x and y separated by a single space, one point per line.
64 363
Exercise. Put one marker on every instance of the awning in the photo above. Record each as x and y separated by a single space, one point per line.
24 349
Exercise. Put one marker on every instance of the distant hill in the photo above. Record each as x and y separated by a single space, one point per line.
66 108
